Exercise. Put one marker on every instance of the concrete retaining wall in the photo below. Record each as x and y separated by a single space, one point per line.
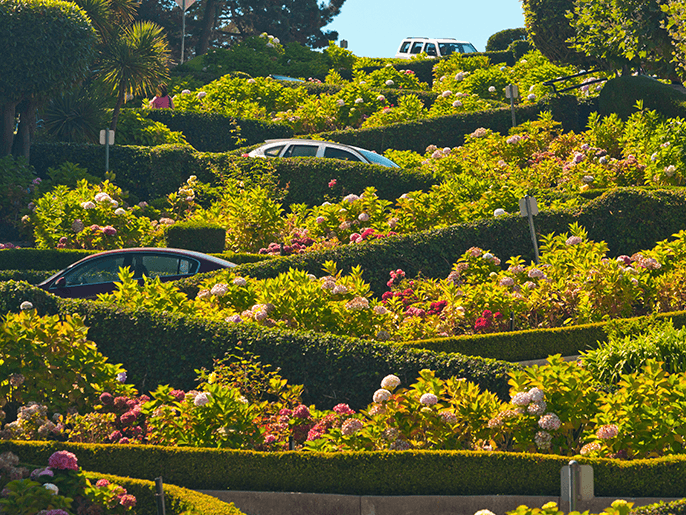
293 503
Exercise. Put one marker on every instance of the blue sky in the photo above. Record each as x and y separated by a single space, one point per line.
374 28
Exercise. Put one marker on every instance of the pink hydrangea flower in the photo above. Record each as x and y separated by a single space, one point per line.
343 409
301 411
269 439
127 501
381 395
63 460
102 482
351 426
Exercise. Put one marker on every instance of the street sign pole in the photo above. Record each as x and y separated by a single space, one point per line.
529 207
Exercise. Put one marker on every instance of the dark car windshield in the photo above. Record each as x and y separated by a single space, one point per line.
376 159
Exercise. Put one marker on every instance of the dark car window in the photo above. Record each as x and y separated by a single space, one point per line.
273 151
338 153
301 151
103 270
430 49
162 265
417 47
405 47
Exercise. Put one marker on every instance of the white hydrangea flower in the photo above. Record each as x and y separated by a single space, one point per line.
390 382
381 395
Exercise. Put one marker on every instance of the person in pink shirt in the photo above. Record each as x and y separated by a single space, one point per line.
162 100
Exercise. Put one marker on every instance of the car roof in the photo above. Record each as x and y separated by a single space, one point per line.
440 40
317 141
159 250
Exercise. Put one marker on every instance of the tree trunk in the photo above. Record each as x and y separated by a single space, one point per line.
27 128
117 108
8 116
208 22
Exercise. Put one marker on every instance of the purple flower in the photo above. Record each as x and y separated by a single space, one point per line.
121 377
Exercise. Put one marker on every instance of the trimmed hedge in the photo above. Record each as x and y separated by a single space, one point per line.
177 500
159 348
449 131
214 132
368 473
627 219
153 172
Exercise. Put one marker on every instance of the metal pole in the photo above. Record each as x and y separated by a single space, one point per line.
531 225
159 495
183 28
573 484
514 118
107 150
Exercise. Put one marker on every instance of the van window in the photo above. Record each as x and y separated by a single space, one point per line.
405 47
430 49
417 47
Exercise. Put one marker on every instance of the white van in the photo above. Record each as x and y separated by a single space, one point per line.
432 47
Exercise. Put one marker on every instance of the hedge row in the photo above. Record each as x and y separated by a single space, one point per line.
392 95
423 69
627 219
158 348
534 343
33 260
369 473
214 132
152 172
449 131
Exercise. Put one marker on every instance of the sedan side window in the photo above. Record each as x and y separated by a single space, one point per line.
301 151
417 47
105 270
338 153
160 265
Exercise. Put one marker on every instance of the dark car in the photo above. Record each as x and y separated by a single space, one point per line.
97 273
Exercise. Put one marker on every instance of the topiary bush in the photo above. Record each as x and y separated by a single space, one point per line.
620 95
198 236
501 40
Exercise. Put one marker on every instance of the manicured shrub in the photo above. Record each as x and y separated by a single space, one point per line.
501 40
197 236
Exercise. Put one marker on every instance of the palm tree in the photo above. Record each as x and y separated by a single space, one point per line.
134 63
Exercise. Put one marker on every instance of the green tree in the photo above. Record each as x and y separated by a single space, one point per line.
134 63
48 46
548 27
628 34
298 21
676 27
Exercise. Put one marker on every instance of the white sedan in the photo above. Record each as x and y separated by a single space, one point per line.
313 148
